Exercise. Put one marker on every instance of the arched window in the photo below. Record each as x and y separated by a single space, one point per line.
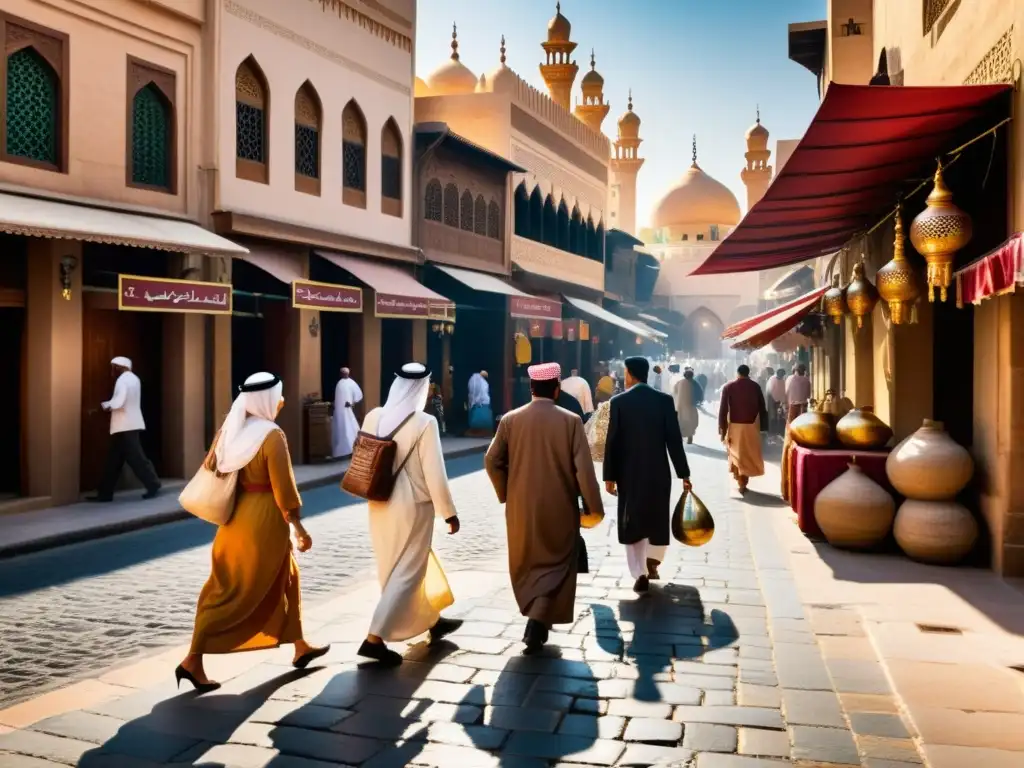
353 156
451 205
536 215
466 212
563 226
252 104
433 201
152 128
307 140
480 216
494 220
714 231
550 232
575 231
33 107
391 169
522 211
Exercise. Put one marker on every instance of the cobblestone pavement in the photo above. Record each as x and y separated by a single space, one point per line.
76 609
720 666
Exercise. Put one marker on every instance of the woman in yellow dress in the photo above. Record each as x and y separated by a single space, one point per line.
252 600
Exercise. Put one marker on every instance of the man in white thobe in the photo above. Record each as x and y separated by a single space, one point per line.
577 386
684 397
481 418
345 426
126 428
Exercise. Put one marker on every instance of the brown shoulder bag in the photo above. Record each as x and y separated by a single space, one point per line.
370 475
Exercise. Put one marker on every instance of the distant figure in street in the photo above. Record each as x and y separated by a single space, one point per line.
414 589
345 425
643 435
605 388
670 379
252 599
436 408
685 397
481 417
539 464
798 392
126 428
577 386
742 417
775 395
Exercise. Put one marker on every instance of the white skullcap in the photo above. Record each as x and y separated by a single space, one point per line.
123 362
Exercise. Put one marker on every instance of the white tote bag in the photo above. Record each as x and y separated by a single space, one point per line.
210 497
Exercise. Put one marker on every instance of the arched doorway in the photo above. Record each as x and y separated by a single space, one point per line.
702 334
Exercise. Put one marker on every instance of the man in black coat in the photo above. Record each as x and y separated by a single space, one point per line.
643 434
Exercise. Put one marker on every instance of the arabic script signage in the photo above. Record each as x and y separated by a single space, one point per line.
159 294
533 308
413 307
326 297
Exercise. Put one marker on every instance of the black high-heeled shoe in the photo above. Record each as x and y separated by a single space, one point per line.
183 674
313 653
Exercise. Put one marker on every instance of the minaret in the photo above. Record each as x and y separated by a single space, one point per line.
758 174
593 110
625 165
559 71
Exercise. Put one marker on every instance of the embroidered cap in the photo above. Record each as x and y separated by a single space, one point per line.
545 372
122 362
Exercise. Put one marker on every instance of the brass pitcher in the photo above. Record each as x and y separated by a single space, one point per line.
812 429
692 523
860 428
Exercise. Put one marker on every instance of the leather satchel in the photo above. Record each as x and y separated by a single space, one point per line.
370 473
210 496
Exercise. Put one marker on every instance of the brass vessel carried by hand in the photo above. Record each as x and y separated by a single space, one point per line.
812 429
692 523
860 428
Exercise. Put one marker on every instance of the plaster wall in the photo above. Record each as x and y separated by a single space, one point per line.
783 151
852 57
344 54
721 294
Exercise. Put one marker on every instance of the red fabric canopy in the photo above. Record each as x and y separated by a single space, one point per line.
736 329
769 328
863 145
998 271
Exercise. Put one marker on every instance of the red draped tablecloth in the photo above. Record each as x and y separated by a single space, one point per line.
811 469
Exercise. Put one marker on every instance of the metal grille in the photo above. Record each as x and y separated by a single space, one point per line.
451 205
250 136
353 159
151 138
31 107
307 151
494 221
433 201
480 216
391 177
466 212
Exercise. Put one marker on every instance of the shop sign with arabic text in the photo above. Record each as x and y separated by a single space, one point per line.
327 297
414 307
533 308
160 294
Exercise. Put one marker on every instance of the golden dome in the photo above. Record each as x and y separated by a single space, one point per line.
592 80
559 28
757 134
502 77
697 200
453 77
629 123
420 88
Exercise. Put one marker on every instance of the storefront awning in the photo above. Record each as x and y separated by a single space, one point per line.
600 313
278 265
653 319
398 294
650 331
736 329
481 281
997 272
862 147
36 217
768 326
790 284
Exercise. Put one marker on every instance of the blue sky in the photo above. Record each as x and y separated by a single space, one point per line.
695 66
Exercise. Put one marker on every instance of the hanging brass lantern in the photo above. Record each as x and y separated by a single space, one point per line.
861 295
834 301
897 281
938 232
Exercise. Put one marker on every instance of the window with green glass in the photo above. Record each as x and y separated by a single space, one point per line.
151 138
32 115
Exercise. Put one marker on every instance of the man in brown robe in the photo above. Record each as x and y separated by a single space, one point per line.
539 463
742 417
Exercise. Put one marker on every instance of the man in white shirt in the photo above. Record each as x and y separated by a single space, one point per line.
775 394
345 426
126 427
577 386
798 392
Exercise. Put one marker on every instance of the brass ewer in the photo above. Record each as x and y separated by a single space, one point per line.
938 232
834 301
897 281
813 428
692 523
860 428
861 295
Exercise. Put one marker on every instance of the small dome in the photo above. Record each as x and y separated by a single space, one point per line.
757 131
502 78
629 123
420 88
559 28
592 81
453 77
697 200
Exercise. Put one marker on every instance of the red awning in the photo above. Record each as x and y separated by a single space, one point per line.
769 326
998 271
863 145
736 329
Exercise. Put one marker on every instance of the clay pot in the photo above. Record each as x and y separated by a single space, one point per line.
940 532
812 429
928 465
853 511
861 429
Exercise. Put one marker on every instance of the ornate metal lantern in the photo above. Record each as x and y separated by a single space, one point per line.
938 232
897 281
834 301
861 295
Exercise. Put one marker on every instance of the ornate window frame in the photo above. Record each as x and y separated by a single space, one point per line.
309 185
251 170
140 75
391 133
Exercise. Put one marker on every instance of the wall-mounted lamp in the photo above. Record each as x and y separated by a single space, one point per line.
442 328
67 268
314 326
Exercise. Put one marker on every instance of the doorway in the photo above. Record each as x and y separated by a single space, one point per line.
396 351
12 392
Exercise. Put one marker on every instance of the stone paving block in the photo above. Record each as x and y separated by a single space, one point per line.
673 693
878 724
558 702
434 755
712 760
590 706
754 741
827 745
475 736
319 745
654 731
748 695
634 708
299 715
381 727
495 645
758 677
754 717
607 727
83 726
707 737
705 683
483 629
45 746
729 656
569 686
879 748
687 667
557 747
11 760
812 708
942 756
868 702
420 709
522 719
719 699
755 652
645 755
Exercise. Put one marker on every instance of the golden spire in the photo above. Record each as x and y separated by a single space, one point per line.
695 149
503 49
593 63
455 42
629 105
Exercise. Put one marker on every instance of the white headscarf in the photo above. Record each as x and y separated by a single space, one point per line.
249 421
407 395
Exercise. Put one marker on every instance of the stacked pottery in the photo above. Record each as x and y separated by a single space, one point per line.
930 469
853 511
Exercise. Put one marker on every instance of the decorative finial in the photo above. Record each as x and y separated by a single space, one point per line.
558 7
503 49
758 114
695 149
592 63
629 105
455 42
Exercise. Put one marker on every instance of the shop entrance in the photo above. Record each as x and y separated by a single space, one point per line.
395 351
12 348
257 296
